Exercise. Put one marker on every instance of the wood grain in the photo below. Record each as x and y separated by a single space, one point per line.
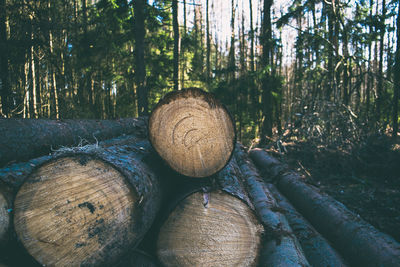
192 132
73 210
210 229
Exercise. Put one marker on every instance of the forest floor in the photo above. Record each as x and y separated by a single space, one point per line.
365 178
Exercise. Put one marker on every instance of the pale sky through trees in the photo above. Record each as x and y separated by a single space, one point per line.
220 16
220 19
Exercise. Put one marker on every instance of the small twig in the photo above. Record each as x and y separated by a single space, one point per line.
304 169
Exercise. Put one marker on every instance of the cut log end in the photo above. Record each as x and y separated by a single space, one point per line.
192 132
75 210
210 229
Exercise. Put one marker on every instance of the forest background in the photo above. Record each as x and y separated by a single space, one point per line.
309 69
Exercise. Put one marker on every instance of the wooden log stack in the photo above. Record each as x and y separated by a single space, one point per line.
358 241
212 225
189 191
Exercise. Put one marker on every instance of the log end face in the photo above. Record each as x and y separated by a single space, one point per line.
192 132
222 232
75 210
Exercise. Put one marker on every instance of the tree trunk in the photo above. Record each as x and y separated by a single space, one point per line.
5 86
183 47
359 242
53 73
396 78
232 63
88 205
316 248
380 88
370 80
193 132
176 43
25 139
33 81
26 111
266 41
198 59
329 9
280 247
208 44
140 74
251 33
220 224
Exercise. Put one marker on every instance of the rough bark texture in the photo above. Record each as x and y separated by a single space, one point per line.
396 79
267 48
176 43
359 242
281 247
88 205
211 224
5 216
14 175
137 258
23 139
316 248
5 90
193 132
139 7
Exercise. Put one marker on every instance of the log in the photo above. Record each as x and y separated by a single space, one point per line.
193 132
359 242
14 175
281 247
24 139
211 227
88 205
11 253
317 249
5 216
137 258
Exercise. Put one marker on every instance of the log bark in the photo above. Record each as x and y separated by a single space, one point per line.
316 248
193 132
211 226
359 242
24 139
88 205
5 216
14 175
137 258
280 248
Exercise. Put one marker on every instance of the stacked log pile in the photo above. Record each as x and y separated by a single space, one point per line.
359 242
188 196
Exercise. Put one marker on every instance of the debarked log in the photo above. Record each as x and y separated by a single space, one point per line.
24 139
281 247
212 226
356 240
88 205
